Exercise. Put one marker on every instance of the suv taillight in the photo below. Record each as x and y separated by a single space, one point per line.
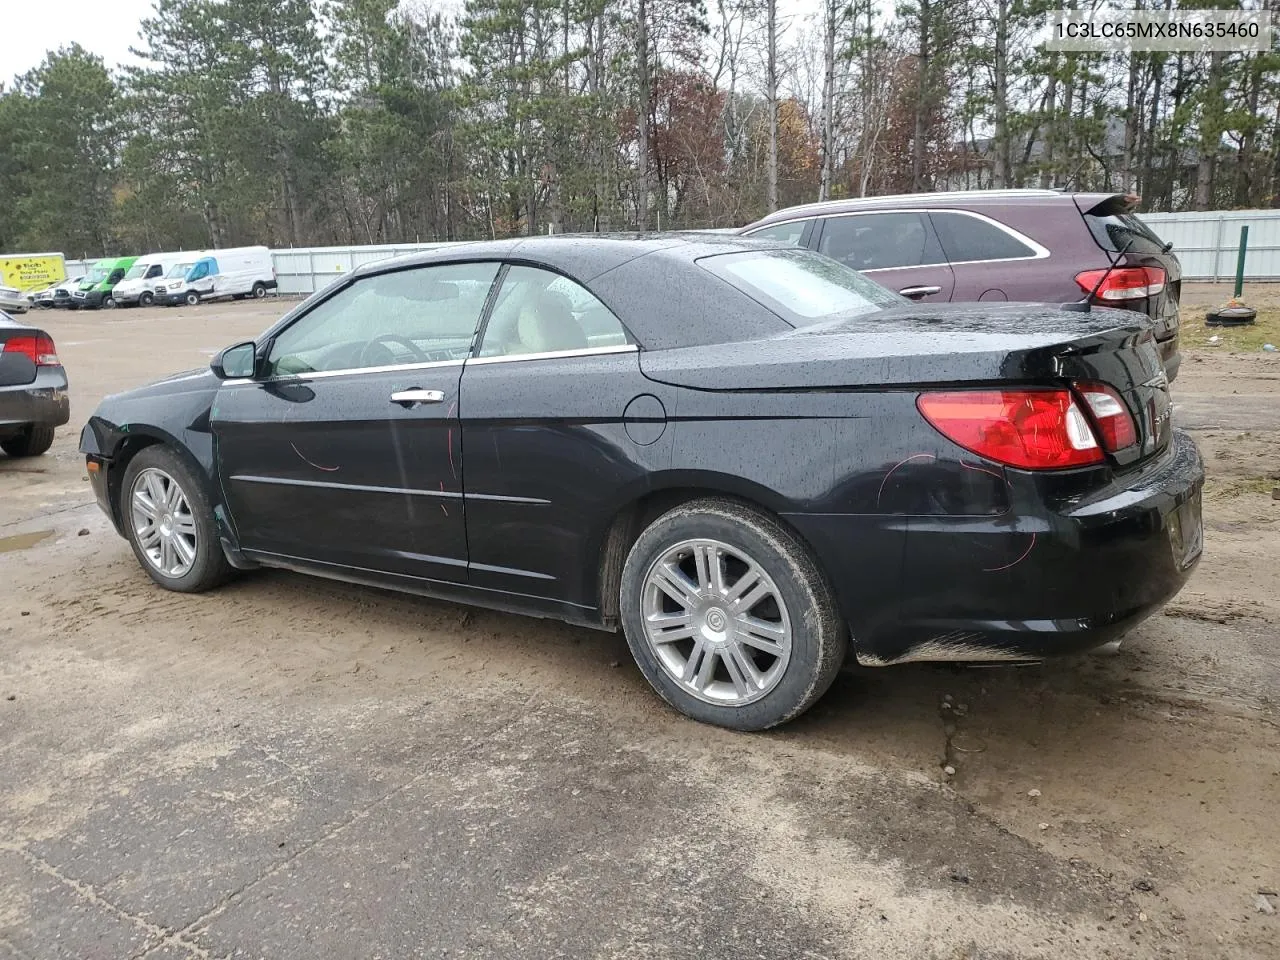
1123 283
1115 425
38 347
1029 429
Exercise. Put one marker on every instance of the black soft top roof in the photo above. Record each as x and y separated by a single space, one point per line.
650 281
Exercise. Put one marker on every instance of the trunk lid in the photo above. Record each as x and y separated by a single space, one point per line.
16 368
923 346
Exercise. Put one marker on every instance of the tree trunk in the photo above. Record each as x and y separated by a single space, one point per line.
771 96
831 10
1211 111
1050 125
1000 89
920 180
642 113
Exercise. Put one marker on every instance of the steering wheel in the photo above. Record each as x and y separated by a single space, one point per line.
385 338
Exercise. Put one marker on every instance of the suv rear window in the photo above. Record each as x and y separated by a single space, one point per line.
1123 231
800 286
967 238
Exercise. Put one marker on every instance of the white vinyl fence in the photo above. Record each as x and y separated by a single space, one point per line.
1206 243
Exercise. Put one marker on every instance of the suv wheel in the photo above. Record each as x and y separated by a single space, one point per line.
728 616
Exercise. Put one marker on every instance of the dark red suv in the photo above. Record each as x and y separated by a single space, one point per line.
1037 245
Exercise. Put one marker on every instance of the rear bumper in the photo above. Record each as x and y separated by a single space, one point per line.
44 401
1030 583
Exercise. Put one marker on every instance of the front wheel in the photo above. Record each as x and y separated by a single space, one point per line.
191 299
169 523
146 299
729 617
259 290
109 303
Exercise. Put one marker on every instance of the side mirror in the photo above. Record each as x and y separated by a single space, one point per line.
236 362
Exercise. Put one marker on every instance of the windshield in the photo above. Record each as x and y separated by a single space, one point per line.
137 271
96 274
178 270
800 286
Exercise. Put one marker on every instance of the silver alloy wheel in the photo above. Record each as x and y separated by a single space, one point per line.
162 522
716 622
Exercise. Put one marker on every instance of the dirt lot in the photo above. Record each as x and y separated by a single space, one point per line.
296 768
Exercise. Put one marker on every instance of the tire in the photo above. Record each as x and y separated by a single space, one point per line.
797 609
110 303
33 441
191 299
202 564
146 298
259 290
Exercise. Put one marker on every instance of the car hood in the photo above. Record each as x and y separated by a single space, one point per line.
907 345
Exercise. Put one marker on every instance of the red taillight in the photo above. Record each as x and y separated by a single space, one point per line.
38 347
1031 429
1115 425
1123 283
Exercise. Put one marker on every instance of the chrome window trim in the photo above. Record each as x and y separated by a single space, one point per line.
345 372
1040 252
438 364
559 354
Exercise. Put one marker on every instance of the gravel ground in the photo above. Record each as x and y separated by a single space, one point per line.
291 767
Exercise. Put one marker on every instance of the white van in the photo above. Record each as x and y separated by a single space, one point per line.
138 288
239 272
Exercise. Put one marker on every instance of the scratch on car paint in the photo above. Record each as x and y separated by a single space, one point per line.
312 463
986 470
442 506
917 456
1026 553
452 469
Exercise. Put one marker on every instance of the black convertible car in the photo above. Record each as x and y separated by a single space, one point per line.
749 458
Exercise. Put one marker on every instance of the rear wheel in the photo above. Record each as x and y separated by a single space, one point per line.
31 442
169 522
259 290
728 616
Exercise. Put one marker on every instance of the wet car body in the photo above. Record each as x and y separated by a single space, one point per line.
931 551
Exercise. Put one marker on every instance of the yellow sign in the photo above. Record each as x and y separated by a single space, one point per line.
33 271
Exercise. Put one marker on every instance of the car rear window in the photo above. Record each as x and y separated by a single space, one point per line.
966 238
800 286
1123 231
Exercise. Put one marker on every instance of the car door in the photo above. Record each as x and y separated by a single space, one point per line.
985 257
558 424
345 449
898 250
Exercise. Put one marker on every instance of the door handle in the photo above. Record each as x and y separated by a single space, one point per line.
914 292
407 398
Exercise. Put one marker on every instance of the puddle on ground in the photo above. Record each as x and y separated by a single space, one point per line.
20 541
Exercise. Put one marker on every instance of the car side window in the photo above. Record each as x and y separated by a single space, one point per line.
877 241
788 233
965 238
155 271
538 311
419 315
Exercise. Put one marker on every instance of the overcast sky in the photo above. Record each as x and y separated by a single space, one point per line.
110 27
